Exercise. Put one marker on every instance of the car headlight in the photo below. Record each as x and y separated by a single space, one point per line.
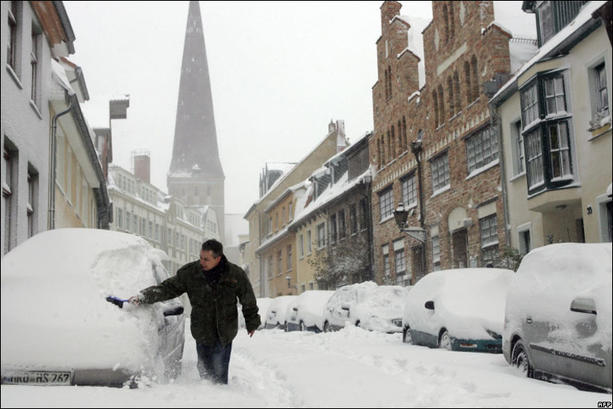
493 334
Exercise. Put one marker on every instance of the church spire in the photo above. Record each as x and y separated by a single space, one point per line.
195 174
195 141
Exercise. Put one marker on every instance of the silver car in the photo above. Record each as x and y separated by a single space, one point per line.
59 329
558 315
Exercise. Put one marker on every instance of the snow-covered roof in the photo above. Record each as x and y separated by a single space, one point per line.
584 16
59 74
521 50
331 192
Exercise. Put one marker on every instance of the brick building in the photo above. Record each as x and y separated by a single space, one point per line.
445 115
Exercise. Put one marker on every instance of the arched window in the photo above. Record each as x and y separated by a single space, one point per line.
456 83
393 144
436 113
446 23
469 88
389 147
475 77
450 100
441 103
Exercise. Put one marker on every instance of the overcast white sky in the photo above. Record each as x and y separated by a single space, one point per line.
280 71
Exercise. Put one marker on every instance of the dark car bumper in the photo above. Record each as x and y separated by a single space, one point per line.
493 346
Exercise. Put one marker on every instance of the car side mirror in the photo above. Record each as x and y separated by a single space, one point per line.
584 305
174 311
429 305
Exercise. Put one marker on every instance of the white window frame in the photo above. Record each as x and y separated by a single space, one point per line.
386 203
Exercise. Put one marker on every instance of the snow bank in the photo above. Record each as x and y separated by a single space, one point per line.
549 278
467 302
54 313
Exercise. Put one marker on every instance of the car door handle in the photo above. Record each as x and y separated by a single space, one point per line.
528 320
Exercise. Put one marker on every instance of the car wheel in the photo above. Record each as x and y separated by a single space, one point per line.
302 326
406 336
521 360
285 327
326 327
445 341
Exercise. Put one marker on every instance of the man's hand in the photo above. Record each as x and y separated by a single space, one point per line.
136 300
251 333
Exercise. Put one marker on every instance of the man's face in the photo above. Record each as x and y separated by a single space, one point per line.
208 260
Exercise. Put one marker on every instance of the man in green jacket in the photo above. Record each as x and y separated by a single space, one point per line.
213 285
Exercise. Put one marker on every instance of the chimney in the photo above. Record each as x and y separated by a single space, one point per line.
141 162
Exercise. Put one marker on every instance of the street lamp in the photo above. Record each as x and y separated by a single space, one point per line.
401 214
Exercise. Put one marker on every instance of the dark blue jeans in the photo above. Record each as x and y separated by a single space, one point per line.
213 361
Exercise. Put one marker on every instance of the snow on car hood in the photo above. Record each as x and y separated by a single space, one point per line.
383 304
311 305
549 278
54 312
467 302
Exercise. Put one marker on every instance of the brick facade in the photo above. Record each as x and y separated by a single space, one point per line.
463 48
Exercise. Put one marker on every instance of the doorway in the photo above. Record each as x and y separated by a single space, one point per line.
460 249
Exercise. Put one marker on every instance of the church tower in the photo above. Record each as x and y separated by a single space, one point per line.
195 174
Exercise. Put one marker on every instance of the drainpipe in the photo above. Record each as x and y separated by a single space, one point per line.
52 165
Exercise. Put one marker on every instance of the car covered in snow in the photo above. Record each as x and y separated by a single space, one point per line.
263 304
59 329
276 314
306 313
366 305
558 315
459 309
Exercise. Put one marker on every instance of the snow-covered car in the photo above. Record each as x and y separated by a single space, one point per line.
275 317
263 304
558 315
306 313
366 305
381 310
58 328
460 309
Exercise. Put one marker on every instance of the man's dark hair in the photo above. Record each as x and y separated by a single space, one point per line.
214 246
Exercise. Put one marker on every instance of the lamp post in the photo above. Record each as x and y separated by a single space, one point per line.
401 214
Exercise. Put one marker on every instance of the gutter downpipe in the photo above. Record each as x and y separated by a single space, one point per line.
52 166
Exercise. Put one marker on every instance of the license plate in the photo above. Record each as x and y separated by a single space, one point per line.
37 378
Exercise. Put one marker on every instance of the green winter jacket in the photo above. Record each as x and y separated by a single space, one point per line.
214 309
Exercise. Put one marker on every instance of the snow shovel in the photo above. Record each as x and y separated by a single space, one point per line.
116 300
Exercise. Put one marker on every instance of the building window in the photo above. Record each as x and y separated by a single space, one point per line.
599 95
446 23
524 241
546 133
386 206
386 260
321 235
379 158
279 261
409 191
119 218
342 228
437 118
333 229
450 97
436 253
469 88
301 241
309 243
517 148
364 212
475 77
32 200
404 133
353 219
440 172
441 104
489 239
289 257
546 23
457 93
392 144
553 16
481 148
14 22
399 259
34 59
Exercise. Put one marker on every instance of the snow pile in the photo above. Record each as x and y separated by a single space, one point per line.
310 305
549 279
277 310
466 302
54 312
384 304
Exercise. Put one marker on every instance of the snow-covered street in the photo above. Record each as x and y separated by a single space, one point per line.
349 368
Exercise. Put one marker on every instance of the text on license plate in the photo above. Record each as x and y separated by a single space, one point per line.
37 377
